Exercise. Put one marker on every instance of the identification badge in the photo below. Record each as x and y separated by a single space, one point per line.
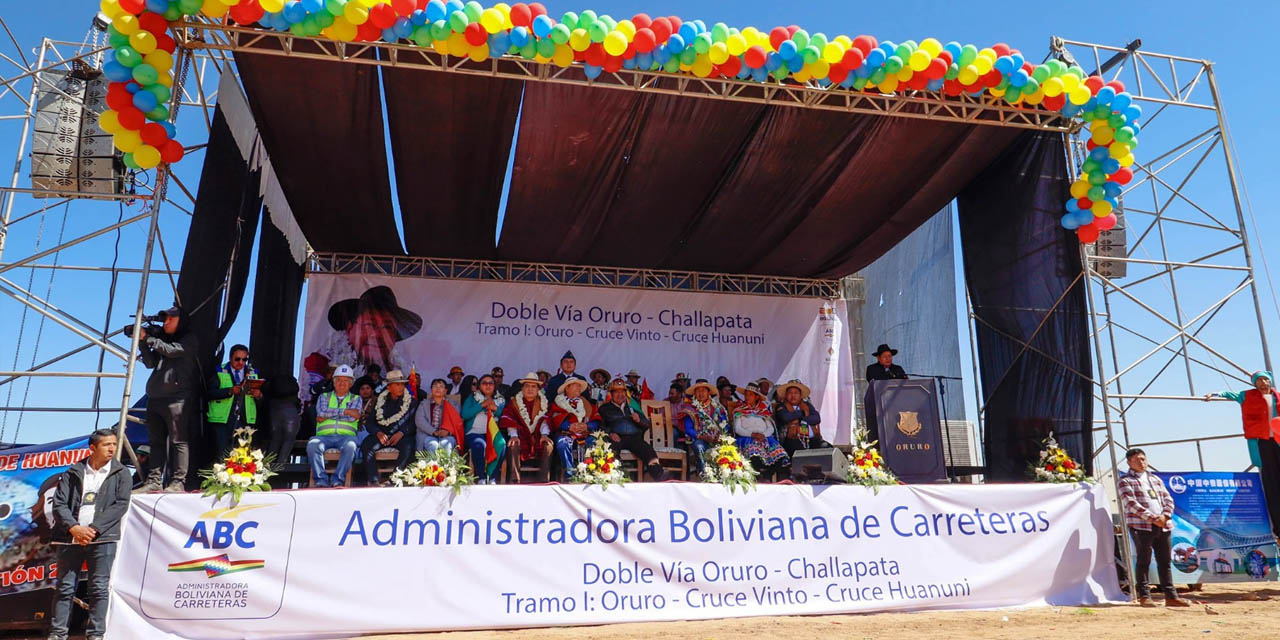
90 497
1152 493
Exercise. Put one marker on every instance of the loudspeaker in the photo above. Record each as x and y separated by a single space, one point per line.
71 155
816 465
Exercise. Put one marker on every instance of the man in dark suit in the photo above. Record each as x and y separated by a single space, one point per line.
884 368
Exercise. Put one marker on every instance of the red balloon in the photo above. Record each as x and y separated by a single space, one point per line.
1088 233
537 9
172 151
131 118
792 29
383 16
918 82
1000 48
163 41
991 79
641 20
952 88
731 67
838 73
1055 103
1094 83
853 57
475 34
777 36
153 134
1106 223
246 13
118 98
1028 67
675 23
864 44
402 7
595 55
133 6
1085 204
661 28
521 15
755 57
645 40
1117 85
1090 144
367 32
612 64
937 68
1122 175
153 22
630 52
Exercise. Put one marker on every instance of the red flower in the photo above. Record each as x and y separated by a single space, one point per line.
439 477
605 468
252 468
588 460
1048 467
1069 464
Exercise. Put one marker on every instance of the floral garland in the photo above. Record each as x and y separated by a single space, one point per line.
443 467
1055 465
599 466
243 469
579 412
725 466
708 415
866 467
524 412
405 403
497 399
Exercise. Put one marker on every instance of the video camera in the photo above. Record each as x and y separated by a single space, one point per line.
152 324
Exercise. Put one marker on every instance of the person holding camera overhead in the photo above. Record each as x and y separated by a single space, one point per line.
173 396
233 401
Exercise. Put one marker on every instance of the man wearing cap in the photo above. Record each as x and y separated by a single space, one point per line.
797 418
173 396
390 425
625 428
572 419
232 402
1258 415
505 390
455 387
568 368
337 418
524 420
370 327
884 368
599 391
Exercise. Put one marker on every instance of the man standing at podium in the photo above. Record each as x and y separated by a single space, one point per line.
882 369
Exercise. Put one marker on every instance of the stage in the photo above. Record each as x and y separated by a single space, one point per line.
313 563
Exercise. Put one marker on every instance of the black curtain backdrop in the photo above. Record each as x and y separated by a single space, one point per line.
1023 274
220 238
277 292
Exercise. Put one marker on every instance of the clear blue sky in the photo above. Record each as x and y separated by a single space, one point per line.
1236 36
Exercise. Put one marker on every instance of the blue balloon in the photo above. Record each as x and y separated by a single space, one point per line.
294 12
772 62
1019 78
744 72
1106 95
1133 124
788 50
1004 64
661 55
451 6
1121 102
1017 58
760 74
145 101
313 6
954 48
1112 189
1110 165
403 27
1099 153
702 26
688 31
848 81
542 25
888 48
1132 113
389 34
1070 110
644 60
1083 217
1072 205
675 44
169 130
418 17
499 42
1090 105
116 72
628 63
593 71
865 70
935 85
1069 222
875 59
435 11
157 6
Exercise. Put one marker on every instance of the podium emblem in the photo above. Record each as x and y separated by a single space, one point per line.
909 423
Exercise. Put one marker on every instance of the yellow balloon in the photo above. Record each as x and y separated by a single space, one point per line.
1101 208
1035 98
146 156
355 14
143 42
845 41
275 6
904 74
819 69
127 141
968 74
343 30
615 44
479 53
458 45
737 44
889 85
1080 188
919 60
1126 161
719 53
1070 83
1079 95
110 8
833 52
160 59
750 34
983 65
109 121
491 20
627 28
702 66
540 59
802 76
933 47
441 47
213 9
988 53
563 56
165 79
368 4
127 24
1118 150
579 40
997 91
1052 87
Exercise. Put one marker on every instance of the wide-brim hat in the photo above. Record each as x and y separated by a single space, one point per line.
542 371
396 375
753 387
781 390
602 371
380 298
573 382
616 384
633 374
703 384
883 348
527 378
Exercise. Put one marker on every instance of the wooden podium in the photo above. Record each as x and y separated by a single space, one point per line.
906 412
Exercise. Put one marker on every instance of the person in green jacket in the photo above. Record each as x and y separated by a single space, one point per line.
232 404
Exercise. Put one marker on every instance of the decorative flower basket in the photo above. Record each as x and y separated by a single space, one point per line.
1056 465
244 469
725 466
866 467
441 468
600 466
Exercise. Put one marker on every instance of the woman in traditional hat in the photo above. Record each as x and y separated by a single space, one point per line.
756 437
573 419
480 412
797 418
524 421
704 420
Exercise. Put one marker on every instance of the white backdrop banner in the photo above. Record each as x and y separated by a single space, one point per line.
312 564
357 319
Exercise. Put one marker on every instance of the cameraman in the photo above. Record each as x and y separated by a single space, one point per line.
173 396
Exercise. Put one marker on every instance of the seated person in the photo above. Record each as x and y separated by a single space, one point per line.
756 439
524 421
728 395
625 428
480 408
390 425
599 392
704 420
572 419
439 425
337 417
797 419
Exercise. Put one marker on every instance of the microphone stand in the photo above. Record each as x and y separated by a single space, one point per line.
942 400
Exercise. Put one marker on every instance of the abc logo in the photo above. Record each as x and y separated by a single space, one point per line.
1177 484
225 534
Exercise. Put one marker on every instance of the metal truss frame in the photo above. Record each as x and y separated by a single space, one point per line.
573 275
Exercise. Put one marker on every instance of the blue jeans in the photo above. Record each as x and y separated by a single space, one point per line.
699 448
566 449
429 443
316 447
71 558
477 444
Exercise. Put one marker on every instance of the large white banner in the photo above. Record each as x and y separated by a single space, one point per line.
311 564
435 324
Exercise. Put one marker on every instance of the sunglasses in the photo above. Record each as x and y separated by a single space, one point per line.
239 359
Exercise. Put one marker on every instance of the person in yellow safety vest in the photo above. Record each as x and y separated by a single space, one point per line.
337 419
232 404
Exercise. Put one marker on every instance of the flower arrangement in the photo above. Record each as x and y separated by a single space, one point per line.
725 465
440 468
1055 464
599 466
243 469
866 467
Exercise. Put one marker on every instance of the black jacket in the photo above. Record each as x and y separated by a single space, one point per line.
404 425
111 503
623 420
875 371
176 373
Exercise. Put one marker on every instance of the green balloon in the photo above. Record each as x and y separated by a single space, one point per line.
128 56
860 83
586 19
1124 134
158 114
688 55
529 50
1004 85
560 33
130 162
719 32
1103 112
546 48
892 65
458 21
801 38
818 40
597 31
1013 94
903 51
702 42
1040 73
1097 178
335 7
672 65
190 7
569 20
609 23
161 92
421 36
439 30
1116 121
145 74
172 13
324 19
968 54
781 73
953 72
1096 193
878 76
473 10
118 40
1030 87
810 54
1090 166
1133 143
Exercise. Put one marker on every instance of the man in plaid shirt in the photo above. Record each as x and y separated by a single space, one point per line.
1148 511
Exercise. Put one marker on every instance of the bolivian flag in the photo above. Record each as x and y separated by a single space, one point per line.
497 446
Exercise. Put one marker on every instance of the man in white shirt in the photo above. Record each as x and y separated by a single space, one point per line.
91 499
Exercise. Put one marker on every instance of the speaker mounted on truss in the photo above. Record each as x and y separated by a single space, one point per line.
71 156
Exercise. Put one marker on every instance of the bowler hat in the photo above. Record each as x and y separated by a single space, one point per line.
380 298
883 348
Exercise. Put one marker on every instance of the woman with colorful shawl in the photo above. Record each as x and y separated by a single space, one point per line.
704 420
480 411
756 436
